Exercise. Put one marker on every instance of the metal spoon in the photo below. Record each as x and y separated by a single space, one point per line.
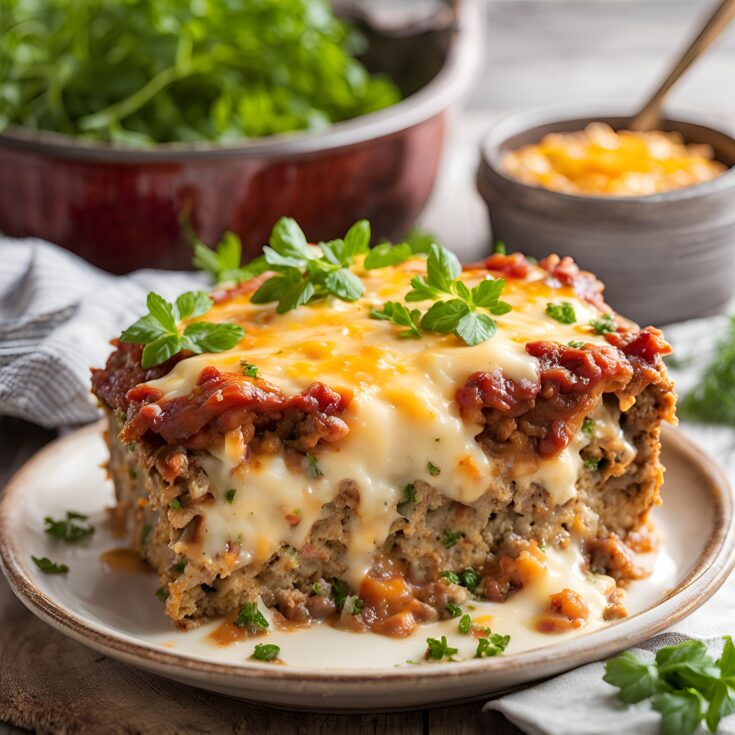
649 115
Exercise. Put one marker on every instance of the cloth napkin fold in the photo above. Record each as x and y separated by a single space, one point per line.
57 314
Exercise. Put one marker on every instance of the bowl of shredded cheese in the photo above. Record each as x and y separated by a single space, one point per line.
653 213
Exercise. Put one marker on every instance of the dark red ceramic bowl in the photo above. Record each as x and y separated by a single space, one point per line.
123 208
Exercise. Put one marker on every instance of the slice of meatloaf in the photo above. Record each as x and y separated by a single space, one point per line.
370 480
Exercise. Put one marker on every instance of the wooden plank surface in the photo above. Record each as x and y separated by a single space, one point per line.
51 684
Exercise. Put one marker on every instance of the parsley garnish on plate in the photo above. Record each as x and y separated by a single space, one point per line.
158 330
266 652
439 649
578 344
162 594
49 567
492 645
230 495
67 529
588 427
432 469
174 504
684 683
465 624
250 616
563 312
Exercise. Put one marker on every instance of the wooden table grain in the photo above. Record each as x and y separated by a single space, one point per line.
51 684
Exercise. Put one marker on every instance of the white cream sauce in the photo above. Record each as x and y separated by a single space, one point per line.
402 416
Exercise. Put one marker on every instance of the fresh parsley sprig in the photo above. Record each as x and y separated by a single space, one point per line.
462 313
158 329
223 263
305 273
400 315
684 684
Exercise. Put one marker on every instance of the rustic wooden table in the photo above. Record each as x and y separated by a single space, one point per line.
52 684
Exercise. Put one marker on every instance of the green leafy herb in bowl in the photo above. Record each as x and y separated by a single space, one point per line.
141 72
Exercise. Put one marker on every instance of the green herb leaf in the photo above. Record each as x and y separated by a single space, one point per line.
465 624
192 303
67 530
578 344
475 328
451 537
344 284
439 649
588 427
356 241
143 73
499 247
266 652
420 241
145 531
49 567
250 616
712 400
681 712
230 495
313 466
454 610
636 679
207 337
591 463
248 369
442 267
340 591
432 469
180 566
409 494
604 324
158 330
398 314
162 594
493 645
385 254
174 504
562 312
444 316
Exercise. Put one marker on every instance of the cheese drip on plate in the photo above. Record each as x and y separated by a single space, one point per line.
404 423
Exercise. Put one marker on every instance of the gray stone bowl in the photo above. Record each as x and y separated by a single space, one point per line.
663 257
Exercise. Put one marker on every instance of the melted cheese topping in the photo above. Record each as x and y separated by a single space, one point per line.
402 415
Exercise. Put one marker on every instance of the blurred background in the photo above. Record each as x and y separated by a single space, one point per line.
601 53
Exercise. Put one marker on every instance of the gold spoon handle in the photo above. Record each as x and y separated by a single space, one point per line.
648 116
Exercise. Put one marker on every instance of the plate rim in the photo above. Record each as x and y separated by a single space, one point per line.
708 574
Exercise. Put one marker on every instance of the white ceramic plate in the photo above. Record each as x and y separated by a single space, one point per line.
117 613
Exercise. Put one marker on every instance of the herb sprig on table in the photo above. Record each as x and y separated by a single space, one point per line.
712 400
158 330
684 683
140 72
